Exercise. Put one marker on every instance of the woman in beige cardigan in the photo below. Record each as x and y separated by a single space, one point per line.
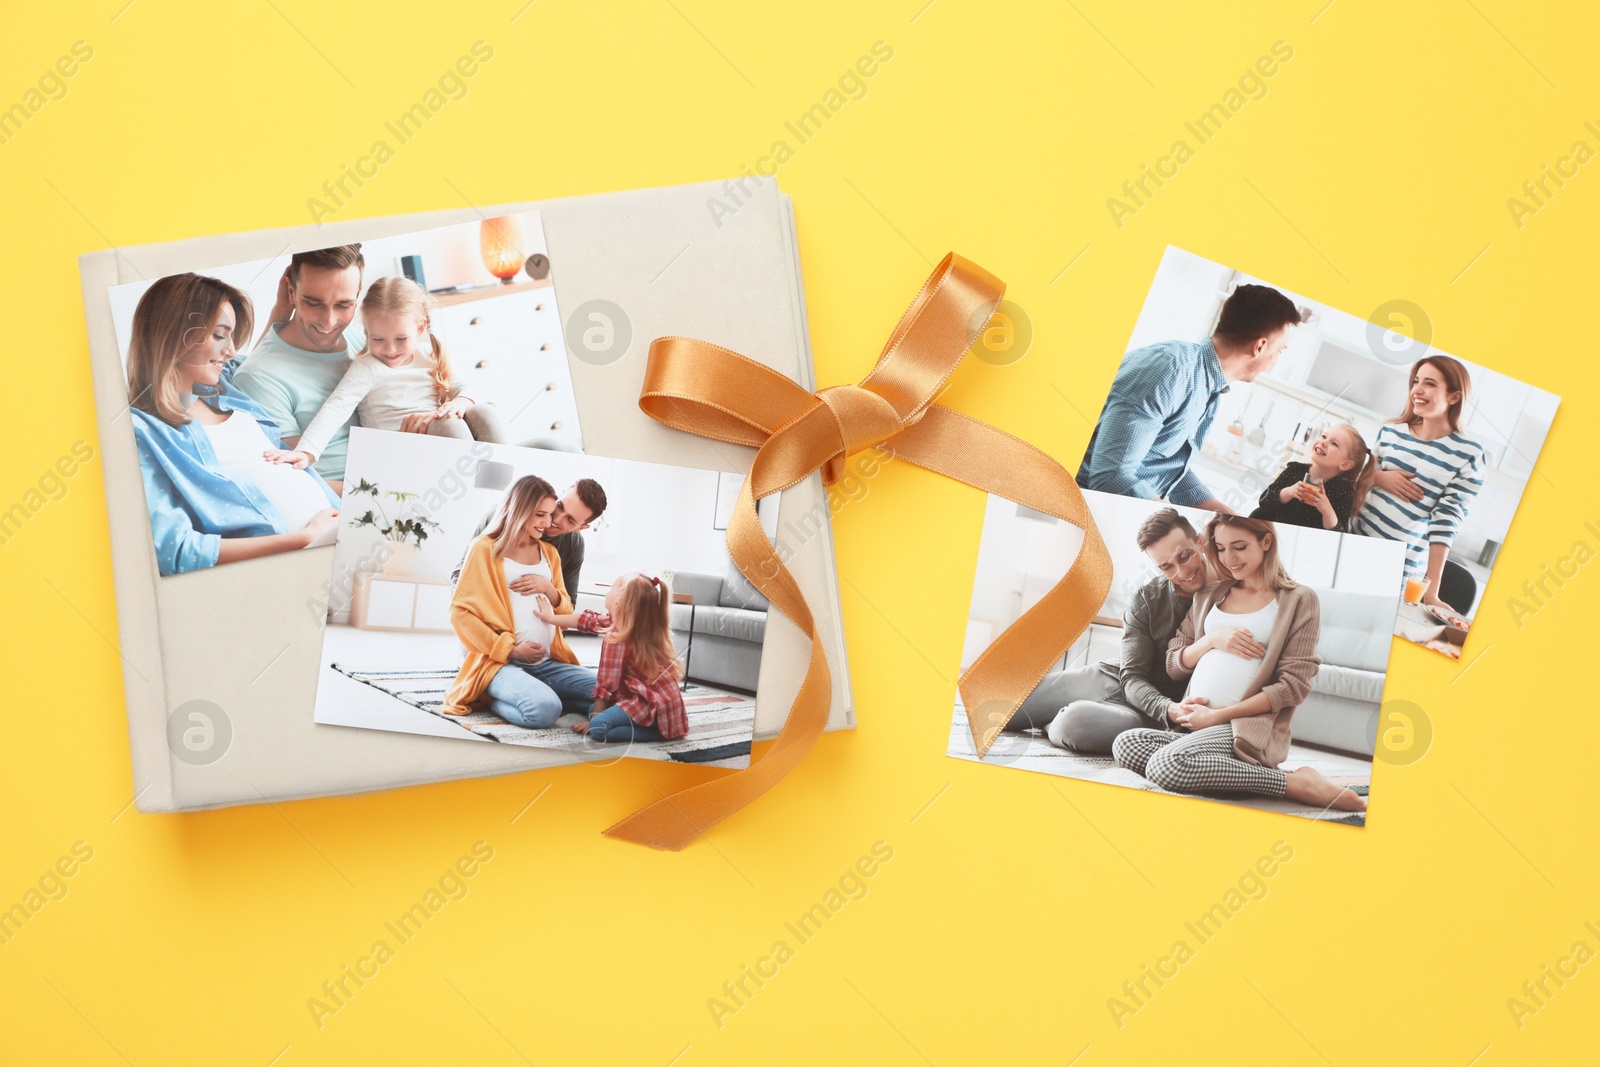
1249 649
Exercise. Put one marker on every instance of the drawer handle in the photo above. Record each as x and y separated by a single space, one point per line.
549 387
538 307
476 320
555 426
544 347
482 363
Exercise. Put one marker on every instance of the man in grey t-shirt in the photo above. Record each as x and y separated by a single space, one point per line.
1085 708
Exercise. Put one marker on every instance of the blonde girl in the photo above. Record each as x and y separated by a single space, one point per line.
1429 473
1249 649
400 381
636 693
1324 492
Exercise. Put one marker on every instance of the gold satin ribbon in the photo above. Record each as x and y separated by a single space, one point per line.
706 390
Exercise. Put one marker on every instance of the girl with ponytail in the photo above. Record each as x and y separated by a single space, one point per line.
1326 491
401 380
636 693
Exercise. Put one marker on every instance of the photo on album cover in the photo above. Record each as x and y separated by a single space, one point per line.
1236 394
494 593
1234 659
244 381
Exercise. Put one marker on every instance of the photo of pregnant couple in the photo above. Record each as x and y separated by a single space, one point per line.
566 602
1235 658
242 419
1237 397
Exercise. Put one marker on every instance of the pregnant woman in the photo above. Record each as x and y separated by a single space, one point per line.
1429 471
212 495
516 662
1249 648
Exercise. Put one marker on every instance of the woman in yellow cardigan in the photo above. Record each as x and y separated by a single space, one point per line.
516 665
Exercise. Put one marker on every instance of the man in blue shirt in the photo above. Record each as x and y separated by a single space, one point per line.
307 347
1164 399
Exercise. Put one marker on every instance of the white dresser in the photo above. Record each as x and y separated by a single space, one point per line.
505 342
401 602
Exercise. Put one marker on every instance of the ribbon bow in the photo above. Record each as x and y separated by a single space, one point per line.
707 390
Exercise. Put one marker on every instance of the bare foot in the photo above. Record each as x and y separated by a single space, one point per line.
1309 787
580 727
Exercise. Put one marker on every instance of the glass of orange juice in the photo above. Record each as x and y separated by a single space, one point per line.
1416 589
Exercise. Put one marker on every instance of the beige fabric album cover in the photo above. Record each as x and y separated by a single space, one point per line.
221 663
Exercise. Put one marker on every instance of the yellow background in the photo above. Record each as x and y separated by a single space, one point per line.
1376 168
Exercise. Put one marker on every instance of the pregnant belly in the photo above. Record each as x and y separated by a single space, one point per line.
1221 677
295 494
532 628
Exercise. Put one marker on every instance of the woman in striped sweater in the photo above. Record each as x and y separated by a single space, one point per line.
1429 471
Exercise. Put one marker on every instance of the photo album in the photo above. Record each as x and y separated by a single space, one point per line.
400 467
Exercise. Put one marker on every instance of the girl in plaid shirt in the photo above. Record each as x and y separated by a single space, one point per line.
636 694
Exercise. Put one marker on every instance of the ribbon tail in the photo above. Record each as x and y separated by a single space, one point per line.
673 822
717 393
980 455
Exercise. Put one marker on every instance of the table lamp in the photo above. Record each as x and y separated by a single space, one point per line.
500 243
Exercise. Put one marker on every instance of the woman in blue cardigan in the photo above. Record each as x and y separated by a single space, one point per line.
213 496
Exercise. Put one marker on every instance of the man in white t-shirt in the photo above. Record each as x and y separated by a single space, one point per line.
306 348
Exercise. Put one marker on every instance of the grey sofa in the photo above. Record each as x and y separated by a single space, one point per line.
1342 710
730 623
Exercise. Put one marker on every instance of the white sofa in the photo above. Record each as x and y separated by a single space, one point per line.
1341 711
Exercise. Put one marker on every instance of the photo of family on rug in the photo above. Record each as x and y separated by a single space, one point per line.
1234 659
1236 396
244 381
539 598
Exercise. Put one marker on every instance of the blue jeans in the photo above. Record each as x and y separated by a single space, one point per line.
572 683
533 695
613 724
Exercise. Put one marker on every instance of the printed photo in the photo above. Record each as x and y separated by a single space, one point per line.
245 381
1237 395
525 596
1235 658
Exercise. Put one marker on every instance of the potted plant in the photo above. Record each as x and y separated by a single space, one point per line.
404 533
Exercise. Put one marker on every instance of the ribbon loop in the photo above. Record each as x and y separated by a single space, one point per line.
713 392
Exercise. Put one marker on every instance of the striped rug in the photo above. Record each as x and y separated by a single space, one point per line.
1031 752
720 724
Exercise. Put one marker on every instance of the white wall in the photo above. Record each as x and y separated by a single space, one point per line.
1023 554
450 257
657 517
1184 299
